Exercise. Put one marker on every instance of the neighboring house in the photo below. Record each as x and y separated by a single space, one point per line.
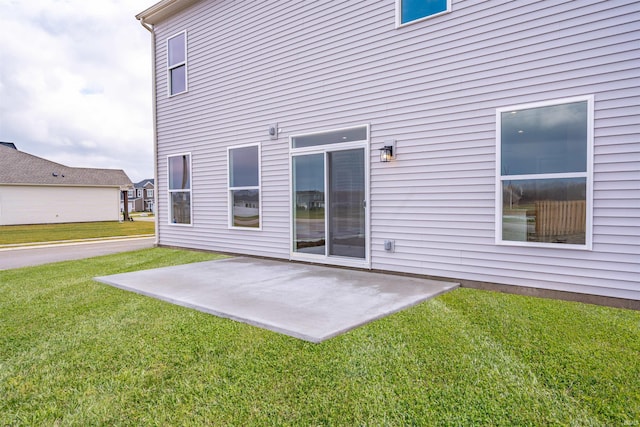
141 197
511 129
37 191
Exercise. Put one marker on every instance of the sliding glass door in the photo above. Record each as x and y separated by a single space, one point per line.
309 206
347 203
329 203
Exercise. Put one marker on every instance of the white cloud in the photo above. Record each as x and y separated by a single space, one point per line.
75 82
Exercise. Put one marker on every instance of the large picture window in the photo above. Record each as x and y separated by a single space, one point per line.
179 171
544 158
244 187
177 63
408 11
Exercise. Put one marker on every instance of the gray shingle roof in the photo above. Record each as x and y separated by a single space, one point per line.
144 182
17 167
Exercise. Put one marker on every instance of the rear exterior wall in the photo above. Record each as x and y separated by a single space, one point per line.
434 86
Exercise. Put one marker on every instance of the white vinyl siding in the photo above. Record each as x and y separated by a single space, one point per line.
48 204
434 88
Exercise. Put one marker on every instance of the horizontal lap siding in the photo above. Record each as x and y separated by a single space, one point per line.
583 56
49 204
532 65
434 87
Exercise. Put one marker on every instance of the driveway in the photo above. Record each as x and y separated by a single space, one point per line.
26 256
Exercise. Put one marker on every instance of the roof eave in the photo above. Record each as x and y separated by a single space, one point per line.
38 184
162 10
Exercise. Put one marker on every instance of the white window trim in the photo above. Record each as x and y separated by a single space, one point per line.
588 245
171 67
169 191
230 225
400 24
316 149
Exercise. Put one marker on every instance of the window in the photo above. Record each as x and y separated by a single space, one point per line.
179 171
139 192
544 158
332 137
177 63
130 194
149 193
408 11
244 187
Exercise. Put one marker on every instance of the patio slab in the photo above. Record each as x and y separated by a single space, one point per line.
310 302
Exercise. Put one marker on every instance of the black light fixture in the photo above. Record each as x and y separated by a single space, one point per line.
388 151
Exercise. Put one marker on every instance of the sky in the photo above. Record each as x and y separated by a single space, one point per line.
75 83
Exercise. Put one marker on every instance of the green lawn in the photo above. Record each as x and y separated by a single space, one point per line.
15 234
77 352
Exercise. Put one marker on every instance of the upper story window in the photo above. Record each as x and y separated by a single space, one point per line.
139 192
130 193
544 174
179 171
244 186
177 63
408 11
149 193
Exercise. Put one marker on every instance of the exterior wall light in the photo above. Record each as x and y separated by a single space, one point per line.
388 152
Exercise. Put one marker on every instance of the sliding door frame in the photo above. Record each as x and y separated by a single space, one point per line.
324 149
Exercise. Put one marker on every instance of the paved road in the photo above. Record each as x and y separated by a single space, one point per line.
36 255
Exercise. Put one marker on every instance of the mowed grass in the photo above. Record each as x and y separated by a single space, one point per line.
77 352
37 233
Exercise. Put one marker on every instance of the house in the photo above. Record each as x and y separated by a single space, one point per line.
492 143
140 198
34 190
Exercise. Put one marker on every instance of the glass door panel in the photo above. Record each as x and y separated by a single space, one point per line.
346 203
309 234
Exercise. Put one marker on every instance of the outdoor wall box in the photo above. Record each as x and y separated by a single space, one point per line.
390 245
273 131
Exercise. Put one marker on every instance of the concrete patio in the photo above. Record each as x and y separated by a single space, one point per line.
310 302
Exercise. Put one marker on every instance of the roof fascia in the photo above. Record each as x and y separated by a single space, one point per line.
163 10
27 184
